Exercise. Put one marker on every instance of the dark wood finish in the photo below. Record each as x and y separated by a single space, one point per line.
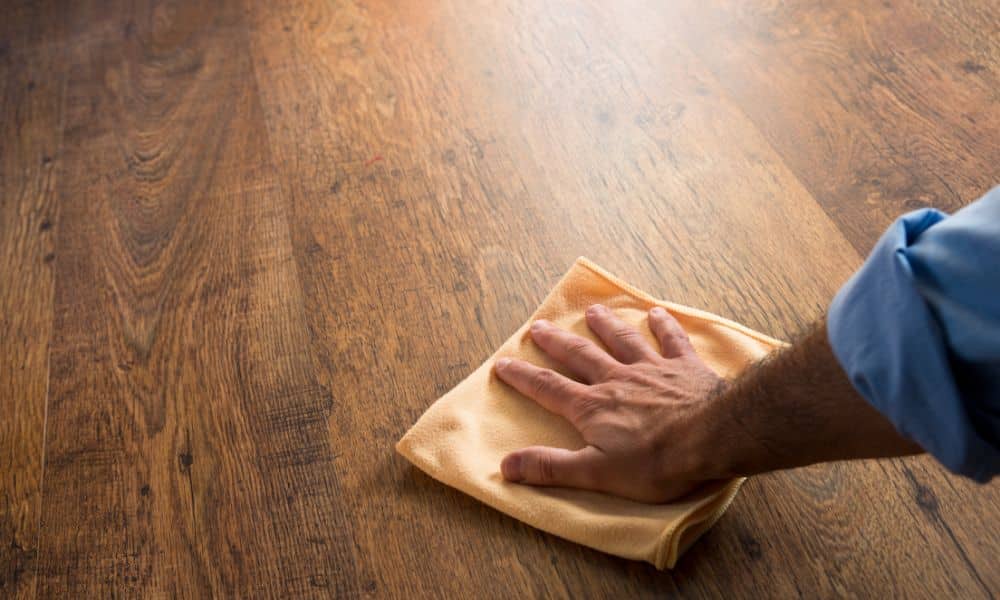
244 245
32 84
187 445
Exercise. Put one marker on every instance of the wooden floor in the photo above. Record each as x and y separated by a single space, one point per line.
244 246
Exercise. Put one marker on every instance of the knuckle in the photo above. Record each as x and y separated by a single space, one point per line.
617 373
543 382
545 468
676 338
677 332
577 347
614 396
626 334
587 406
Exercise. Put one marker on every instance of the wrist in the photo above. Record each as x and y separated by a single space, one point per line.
716 452
730 443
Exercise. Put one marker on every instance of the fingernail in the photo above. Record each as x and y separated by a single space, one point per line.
596 308
539 325
502 363
658 311
511 467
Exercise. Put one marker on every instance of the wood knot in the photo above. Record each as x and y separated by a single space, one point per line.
751 547
186 460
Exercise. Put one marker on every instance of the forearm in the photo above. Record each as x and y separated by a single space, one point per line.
797 408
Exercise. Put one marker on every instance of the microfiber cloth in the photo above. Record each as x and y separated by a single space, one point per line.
461 439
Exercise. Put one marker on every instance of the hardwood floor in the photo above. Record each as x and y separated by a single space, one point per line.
243 246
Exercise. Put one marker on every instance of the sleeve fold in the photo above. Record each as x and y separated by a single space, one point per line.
917 331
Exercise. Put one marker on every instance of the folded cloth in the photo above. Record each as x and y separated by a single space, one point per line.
461 439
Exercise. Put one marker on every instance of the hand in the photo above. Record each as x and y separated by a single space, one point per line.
641 412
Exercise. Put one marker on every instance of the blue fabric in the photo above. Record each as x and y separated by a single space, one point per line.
917 330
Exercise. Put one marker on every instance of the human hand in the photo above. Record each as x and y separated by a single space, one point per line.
642 413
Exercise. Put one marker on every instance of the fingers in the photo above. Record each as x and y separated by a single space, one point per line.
624 341
540 465
585 358
553 391
673 340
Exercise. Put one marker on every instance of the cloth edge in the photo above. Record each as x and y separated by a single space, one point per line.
678 308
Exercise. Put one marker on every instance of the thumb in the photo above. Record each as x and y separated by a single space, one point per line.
541 465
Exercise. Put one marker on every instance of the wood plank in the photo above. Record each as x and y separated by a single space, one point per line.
32 78
876 113
187 442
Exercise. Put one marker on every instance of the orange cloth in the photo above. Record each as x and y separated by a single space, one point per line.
462 437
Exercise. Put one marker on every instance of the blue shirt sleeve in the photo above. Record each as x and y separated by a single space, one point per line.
917 330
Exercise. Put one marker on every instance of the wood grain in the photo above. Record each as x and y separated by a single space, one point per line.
898 119
187 451
974 25
244 245
31 98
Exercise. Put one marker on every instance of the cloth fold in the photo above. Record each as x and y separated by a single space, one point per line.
461 439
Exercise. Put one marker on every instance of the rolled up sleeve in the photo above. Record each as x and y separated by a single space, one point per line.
917 330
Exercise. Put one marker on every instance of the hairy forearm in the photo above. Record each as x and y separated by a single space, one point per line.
796 408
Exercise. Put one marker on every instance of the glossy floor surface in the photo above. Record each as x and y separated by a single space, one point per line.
243 245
